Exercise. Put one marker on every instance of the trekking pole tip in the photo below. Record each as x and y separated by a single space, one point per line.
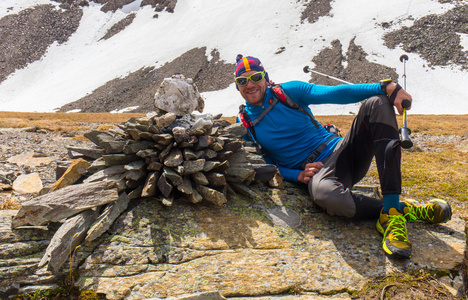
306 69
403 57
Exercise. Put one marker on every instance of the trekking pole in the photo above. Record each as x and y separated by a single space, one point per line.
405 131
306 69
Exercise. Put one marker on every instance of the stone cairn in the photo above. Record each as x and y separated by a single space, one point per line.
165 157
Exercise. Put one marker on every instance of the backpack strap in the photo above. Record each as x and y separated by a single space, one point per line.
312 157
267 110
280 95
245 119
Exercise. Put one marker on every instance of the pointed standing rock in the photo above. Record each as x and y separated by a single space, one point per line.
107 217
164 186
178 95
150 188
67 237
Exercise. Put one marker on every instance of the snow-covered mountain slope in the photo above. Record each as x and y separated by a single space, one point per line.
285 35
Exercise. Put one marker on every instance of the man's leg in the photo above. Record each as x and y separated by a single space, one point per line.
374 132
372 128
376 122
336 198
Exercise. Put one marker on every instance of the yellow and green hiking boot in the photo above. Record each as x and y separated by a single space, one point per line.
434 212
395 237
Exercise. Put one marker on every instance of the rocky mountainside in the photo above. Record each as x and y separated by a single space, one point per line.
434 37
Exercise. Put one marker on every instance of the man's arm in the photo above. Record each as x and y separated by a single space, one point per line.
306 93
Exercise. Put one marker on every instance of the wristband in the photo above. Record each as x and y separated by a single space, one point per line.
383 85
394 93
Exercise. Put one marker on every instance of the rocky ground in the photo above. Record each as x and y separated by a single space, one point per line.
32 148
215 241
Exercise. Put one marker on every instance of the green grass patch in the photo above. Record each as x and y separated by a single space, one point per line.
442 174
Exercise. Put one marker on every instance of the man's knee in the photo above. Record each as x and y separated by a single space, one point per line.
333 197
379 109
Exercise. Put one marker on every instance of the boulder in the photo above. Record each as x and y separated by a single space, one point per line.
28 183
178 95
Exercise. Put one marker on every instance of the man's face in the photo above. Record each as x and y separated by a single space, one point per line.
253 92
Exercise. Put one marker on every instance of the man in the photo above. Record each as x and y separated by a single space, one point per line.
330 165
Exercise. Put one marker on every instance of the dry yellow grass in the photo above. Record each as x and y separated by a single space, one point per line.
70 122
442 174
8 201
432 124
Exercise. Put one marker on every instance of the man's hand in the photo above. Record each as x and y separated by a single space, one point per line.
310 170
401 95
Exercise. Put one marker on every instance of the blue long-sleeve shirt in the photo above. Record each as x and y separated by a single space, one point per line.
288 135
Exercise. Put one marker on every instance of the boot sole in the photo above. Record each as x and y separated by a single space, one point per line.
394 254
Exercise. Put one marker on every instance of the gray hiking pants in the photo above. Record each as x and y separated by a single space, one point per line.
373 129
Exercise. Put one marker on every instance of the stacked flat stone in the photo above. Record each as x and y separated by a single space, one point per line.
190 157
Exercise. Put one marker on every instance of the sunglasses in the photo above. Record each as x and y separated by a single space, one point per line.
255 77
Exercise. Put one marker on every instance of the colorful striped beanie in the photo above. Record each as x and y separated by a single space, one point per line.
248 63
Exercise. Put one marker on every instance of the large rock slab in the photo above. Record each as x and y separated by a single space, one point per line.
65 202
66 239
30 159
157 251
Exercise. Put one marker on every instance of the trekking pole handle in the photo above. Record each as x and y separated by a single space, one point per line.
405 131
406 104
